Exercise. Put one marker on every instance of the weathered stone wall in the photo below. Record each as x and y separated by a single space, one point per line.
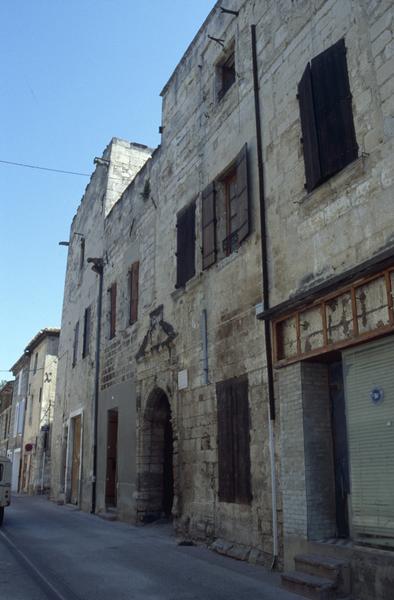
75 390
349 217
201 137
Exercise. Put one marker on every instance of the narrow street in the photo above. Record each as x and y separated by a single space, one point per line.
49 551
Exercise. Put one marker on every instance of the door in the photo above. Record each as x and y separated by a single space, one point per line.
76 460
112 454
369 390
340 448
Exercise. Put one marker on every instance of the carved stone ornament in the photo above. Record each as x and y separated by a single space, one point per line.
159 335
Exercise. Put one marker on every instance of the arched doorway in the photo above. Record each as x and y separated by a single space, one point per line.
156 479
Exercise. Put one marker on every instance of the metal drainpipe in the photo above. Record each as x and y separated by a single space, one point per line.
265 284
98 267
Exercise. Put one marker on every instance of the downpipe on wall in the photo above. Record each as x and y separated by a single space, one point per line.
97 267
265 285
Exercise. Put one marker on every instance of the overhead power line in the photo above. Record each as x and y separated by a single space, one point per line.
8 162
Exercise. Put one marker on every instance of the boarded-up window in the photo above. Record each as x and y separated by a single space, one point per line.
328 134
133 292
233 440
186 238
231 211
75 344
112 310
86 332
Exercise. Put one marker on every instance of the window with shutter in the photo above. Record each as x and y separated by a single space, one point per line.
75 345
225 211
86 332
133 292
208 226
112 310
186 237
233 440
328 133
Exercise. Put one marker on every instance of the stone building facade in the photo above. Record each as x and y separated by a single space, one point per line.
73 429
20 370
5 416
39 409
274 173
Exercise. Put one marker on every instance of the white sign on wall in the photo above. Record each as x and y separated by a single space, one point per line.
182 380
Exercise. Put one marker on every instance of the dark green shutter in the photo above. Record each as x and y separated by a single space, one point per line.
225 441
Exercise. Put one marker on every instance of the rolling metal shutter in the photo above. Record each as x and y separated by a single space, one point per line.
369 391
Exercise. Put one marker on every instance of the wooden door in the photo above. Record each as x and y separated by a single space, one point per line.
112 452
76 460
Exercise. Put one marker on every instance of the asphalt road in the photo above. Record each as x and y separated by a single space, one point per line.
57 552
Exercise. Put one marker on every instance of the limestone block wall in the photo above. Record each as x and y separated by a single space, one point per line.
348 218
75 390
201 137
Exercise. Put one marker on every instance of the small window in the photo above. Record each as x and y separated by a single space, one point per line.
225 211
186 238
1 471
40 396
233 440
31 409
328 135
226 71
35 363
112 311
133 292
82 254
86 332
75 344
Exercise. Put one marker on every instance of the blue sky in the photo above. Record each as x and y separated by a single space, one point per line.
74 74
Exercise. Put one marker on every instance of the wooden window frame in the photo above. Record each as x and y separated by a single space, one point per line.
133 283
321 303
87 327
75 344
112 311
328 133
186 245
236 173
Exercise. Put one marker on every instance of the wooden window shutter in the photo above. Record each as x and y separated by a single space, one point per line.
134 285
112 312
333 110
75 345
86 332
309 131
186 237
241 436
208 226
225 441
243 225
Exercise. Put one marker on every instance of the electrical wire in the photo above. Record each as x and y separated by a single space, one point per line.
9 162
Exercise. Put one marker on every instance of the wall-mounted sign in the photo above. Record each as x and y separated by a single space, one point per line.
28 447
182 380
376 395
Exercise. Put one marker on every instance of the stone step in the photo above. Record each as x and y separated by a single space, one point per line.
309 586
327 567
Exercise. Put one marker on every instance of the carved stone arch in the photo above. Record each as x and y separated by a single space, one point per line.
155 464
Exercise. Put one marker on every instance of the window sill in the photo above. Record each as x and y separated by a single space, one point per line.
336 184
190 285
